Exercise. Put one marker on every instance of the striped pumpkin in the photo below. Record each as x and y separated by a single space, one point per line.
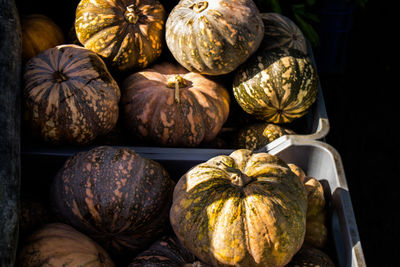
169 106
213 37
245 209
128 34
69 95
59 244
280 31
277 85
115 196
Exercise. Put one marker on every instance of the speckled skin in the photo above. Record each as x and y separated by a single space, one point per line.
128 33
115 196
59 244
245 209
277 85
152 113
213 37
69 95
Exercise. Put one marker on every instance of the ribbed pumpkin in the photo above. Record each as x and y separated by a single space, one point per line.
167 251
258 135
59 244
69 95
128 34
245 209
277 85
280 31
39 33
169 106
213 37
115 196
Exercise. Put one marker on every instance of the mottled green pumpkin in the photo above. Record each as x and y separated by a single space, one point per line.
59 244
128 34
69 95
167 105
213 37
115 196
280 31
258 135
245 209
277 85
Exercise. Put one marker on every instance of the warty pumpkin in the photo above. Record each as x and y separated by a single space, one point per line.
69 95
245 209
277 85
59 244
213 37
170 106
115 196
39 33
128 34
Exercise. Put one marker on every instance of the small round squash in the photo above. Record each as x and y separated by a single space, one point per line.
309 256
69 95
59 244
245 209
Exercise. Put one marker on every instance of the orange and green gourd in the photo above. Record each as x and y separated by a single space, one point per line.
128 34
243 209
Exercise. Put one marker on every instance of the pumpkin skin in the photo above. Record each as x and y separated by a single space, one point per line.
39 33
128 34
245 209
169 106
280 31
69 95
59 244
277 85
115 196
258 135
213 37
167 251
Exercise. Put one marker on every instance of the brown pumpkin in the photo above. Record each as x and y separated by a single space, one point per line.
69 95
169 106
128 34
39 33
115 196
59 244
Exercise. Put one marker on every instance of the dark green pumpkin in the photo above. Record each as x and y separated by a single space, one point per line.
115 196
213 37
277 85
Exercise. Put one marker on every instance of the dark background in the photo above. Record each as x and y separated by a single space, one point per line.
361 103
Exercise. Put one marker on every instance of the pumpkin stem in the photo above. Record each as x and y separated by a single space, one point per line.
176 82
130 14
59 77
199 6
238 178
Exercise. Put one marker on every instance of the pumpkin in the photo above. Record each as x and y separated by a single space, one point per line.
280 31
128 34
167 251
115 196
277 85
213 37
170 106
33 215
243 209
316 229
256 136
39 33
69 95
59 244
309 256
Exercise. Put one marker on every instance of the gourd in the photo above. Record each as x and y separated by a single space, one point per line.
213 37
167 105
59 244
128 34
242 209
39 33
277 85
69 95
309 256
115 196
